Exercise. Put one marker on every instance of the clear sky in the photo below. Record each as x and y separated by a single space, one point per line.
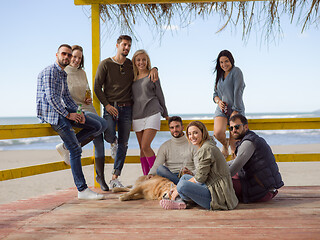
279 77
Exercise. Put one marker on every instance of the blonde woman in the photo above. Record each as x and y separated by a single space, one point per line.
148 107
211 187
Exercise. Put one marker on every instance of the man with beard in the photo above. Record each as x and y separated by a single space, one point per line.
56 106
175 156
112 86
255 173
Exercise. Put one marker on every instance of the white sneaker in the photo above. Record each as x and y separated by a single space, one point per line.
88 194
64 153
114 148
115 183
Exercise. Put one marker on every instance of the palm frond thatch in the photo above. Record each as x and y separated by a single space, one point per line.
263 16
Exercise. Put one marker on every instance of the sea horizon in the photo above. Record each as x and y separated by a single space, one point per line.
273 137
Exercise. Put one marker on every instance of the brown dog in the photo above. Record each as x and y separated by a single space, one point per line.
154 188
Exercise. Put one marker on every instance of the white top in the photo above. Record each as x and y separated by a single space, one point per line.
77 84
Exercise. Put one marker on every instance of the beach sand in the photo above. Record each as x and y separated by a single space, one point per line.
293 173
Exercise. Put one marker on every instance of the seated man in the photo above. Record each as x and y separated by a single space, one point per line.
56 106
255 173
175 156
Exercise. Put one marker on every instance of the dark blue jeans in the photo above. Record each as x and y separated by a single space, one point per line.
72 141
163 171
98 142
123 123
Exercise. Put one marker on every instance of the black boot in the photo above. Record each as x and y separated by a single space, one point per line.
99 165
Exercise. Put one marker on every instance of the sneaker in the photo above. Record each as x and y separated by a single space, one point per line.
171 204
88 194
114 148
64 153
115 184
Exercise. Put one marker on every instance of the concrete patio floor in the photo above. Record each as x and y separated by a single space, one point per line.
293 214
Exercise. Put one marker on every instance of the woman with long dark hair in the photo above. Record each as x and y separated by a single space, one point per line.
228 95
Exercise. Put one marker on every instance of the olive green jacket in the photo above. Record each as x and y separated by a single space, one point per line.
214 172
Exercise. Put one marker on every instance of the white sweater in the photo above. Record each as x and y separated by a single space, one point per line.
175 154
77 84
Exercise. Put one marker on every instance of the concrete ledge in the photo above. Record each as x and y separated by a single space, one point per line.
293 214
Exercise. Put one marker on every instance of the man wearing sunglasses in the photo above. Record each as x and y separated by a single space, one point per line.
113 82
255 173
56 106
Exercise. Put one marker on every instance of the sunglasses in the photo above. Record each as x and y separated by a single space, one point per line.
235 127
122 69
64 54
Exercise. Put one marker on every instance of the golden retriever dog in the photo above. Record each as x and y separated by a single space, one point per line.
154 188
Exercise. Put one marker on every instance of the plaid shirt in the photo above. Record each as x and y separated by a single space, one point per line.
53 95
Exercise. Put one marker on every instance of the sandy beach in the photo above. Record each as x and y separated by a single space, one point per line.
293 173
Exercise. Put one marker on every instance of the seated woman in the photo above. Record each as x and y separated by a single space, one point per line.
211 187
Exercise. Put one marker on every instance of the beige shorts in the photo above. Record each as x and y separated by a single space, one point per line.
152 122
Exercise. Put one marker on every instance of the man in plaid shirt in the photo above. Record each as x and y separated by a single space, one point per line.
56 107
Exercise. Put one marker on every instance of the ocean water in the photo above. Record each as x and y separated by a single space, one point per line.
273 137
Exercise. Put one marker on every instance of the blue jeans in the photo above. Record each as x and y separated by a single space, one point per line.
123 122
72 142
98 142
163 171
197 192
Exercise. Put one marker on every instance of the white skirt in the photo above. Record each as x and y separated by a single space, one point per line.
152 122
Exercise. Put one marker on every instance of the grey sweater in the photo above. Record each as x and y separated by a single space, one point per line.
175 154
148 99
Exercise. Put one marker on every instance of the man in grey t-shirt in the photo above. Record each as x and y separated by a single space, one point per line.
175 156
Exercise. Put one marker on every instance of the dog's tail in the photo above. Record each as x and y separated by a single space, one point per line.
121 189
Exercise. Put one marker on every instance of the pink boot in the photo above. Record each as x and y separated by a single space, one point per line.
144 165
151 161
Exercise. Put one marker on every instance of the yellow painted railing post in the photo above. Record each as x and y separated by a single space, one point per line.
95 23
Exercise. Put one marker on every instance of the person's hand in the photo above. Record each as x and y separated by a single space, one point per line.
149 176
83 118
192 180
222 105
167 118
88 101
174 194
78 118
112 110
153 75
185 170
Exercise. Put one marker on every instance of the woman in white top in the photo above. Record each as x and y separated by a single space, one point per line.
148 107
81 94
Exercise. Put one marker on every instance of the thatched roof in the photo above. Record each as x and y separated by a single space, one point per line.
260 16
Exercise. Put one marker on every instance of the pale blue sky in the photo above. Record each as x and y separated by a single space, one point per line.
279 77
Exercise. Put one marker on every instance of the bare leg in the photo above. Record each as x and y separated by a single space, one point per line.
220 126
147 138
139 137
232 143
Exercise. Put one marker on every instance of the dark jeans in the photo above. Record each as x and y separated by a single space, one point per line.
72 141
163 171
123 122
98 142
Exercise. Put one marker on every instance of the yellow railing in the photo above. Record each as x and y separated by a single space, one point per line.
41 130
